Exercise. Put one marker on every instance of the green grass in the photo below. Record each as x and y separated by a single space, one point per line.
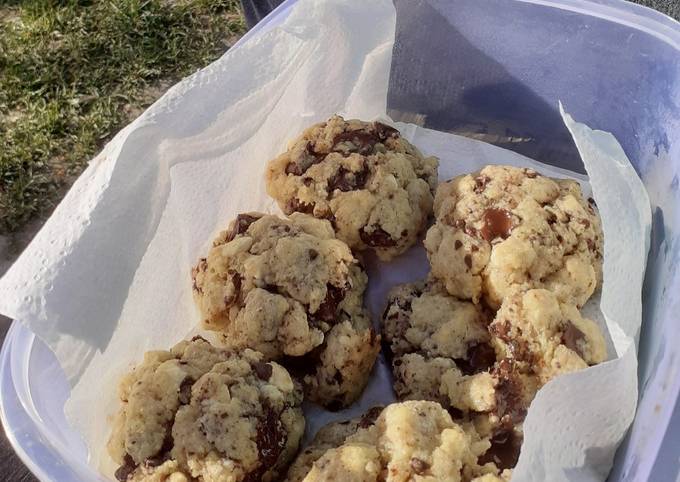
72 73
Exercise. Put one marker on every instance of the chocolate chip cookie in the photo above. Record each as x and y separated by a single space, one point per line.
409 441
289 289
506 228
546 336
429 333
485 368
374 186
197 412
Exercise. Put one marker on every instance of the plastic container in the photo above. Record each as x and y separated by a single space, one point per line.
494 70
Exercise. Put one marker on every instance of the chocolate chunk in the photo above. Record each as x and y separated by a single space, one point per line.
509 401
480 183
468 261
370 417
458 244
346 180
309 158
362 141
419 466
591 201
241 225
327 309
384 131
295 205
313 254
552 218
497 223
378 237
462 225
263 370
124 471
517 346
307 181
504 451
559 238
271 440
573 338
185 390
294 169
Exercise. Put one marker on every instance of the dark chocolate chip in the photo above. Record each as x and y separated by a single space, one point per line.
307 181
559 238
384 131
591 244
346 180
241 225
199 337
262 370
271 440
124 471
294 169
309 158
361 141
504 451
458 244
185 390
295 205
591 201
509 400
585 222
370 417
378 237
313 254
327 310
419 466
468 261
480 183
497 224
573 338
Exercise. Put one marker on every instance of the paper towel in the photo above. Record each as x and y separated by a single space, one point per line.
108 276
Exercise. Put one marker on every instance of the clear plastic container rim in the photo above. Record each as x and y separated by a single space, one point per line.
641 18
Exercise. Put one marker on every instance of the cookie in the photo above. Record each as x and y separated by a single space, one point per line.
370 182
197 412
289 289
329 437
506 228
428 333
408 441
546 336
485 372
442 351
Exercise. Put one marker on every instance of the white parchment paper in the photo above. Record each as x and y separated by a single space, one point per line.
107 278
